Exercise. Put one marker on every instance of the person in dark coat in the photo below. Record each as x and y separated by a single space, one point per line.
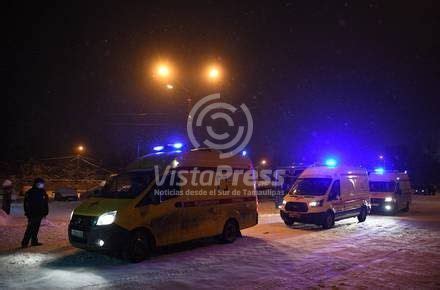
7 190
35 208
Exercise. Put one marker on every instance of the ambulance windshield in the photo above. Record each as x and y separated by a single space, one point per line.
126 185
382 186
311 186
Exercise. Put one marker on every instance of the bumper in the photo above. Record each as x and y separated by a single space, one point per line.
379 205
113 237
307 218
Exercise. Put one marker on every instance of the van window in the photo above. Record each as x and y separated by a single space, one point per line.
311 186
335 191
160 193
126 185
382 186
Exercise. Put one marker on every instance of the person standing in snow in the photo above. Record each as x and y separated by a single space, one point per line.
35 208
6 193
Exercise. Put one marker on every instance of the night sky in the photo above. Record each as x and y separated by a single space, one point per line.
350 78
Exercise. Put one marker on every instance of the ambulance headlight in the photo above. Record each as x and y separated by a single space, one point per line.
284 202
71 215
106 218
388 199
316 203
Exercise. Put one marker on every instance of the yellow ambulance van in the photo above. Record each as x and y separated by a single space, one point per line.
324 194
166 198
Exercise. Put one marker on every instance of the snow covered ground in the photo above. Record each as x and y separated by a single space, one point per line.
386 252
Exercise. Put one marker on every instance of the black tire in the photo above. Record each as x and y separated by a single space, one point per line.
406 209
288 221
328 221
231 231
362 215
138 248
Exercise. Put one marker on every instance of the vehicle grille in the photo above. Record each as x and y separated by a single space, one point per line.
82 222
296 206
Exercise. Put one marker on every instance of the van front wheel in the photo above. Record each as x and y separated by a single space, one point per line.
230 231
329 220
362 215
288 221
138 248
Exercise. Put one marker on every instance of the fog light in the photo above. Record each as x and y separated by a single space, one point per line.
100 243
388 207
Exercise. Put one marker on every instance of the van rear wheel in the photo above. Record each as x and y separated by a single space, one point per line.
329 220
230 231
362 215
138 248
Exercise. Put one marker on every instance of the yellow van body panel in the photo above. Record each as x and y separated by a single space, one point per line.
201 211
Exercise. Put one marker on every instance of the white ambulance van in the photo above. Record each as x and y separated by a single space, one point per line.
390 191
324 194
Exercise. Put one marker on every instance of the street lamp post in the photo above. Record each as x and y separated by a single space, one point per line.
79 150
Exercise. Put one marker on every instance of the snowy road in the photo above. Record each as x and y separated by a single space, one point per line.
385 252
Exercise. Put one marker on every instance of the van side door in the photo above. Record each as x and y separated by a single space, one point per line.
159 212
334 197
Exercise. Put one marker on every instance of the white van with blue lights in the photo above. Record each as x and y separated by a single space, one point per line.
324 194
390 191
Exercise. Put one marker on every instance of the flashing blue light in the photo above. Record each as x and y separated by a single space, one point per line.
379 170
158 148
177 145
243 153
331 162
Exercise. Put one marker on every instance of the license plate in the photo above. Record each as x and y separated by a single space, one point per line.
294 214
78 234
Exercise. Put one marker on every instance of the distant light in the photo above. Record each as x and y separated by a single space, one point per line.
214 72
80 148
388 207
163 70
331 162
174 163
100 243
243 153
381 157
158 148
379 170
263 162
177 145
169 86
406 172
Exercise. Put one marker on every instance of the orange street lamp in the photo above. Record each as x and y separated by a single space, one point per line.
213 73
80 149
162 71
